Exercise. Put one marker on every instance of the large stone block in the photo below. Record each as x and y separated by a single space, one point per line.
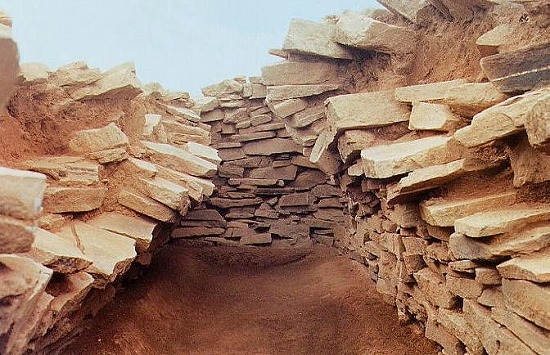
433 117
530 166
288 107
68 171
469 99
197 187
94 140
286 92
533 267
433 287
358 30
16 236
180 160
510 72
73 199
426 92
118 82
529 300
272 146
307 37
537 123
489 42
225 87
385 161
21 193
165 192
146 206
412 10
299 73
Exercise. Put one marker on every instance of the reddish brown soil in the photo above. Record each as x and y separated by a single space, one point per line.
217 300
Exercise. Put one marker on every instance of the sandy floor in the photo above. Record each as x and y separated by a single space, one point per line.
218 300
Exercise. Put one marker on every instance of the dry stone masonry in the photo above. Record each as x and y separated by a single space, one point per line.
413 138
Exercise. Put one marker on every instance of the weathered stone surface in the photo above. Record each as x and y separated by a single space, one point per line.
464 287
93 140
500 121
433 287
253 182
529 300
34 72
510 72
225 87
537 123
433 117
285 92
118 82
272 146
180 160
204 215
109 155
165 192
364 110
73 199
314 38
21 193
533 267
229 203
57 253
282 173
136 228
445 213
357 29
139 168
205 104
489 42
410 9
426 92
197 186
500 246
16 236
192 232
146 206
111 254
297 199
288 107
434 176
469 99
299 73
389 160
306 117
256 239
530 166
488 276
457 325
255 136
9 68
499 221
66 170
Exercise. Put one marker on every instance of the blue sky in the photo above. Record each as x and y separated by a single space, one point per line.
183 44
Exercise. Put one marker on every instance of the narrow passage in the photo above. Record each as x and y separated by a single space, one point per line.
224 300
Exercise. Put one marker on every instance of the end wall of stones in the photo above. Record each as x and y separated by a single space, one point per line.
445 182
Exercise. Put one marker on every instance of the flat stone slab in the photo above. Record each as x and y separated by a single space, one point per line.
296 199
180 160
197 187
500 246
203 151
433 117
299 73
410 9
146 205
136 228
307 37
118 82
444 213
288 107
427 92
16 236
165 192
93 140
385 161
66 170
57 253
357 29
21 193
433 287
193 232
256 239
306 117
489 42
499 221
73 199
537 123
225 87
285 92
529 300
530 165
268 147
364 110
510 72
533 267
230 203
469 99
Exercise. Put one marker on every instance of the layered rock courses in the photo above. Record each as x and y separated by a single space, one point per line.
434 178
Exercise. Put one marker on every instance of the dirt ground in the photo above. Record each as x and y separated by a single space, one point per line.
223 300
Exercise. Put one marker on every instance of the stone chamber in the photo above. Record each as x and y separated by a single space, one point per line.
413 139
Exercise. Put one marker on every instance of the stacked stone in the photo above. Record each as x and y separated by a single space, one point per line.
103 201
446 184
268 192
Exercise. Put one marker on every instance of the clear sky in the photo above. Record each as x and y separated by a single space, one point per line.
182 44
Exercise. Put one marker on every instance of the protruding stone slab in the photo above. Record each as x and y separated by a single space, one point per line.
180 160
16 236
365 110
288 107
426 92
165 192
469 99
307 37
537 123
533 267
530 166
445 213
21 193
272 146
499 221
357 29
73 199
286 92
136 228
57 253
385 161
529 300
410 9
297 199
510 72
433 287
500 246
67 171
146 206
299 73
98 139
197 186
433 117
306 117
225 87
118 82
204 152
489 42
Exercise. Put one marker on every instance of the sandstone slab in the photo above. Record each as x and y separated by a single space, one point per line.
146 205
67 171
426 92
306 117
307 37
537 123
230 203
529 300
433 117
93 140
433 287
136 228
225 87
530 166
286 92
118 82
299 73
180 160
272 146
21 193
412 10
533 267
469 99
289 107
197 187
489 42
165 192
16 236
399 158
73 199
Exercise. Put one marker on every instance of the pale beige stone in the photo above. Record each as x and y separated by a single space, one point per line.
433 287
299 73
488 276
21 193
165 192
444 213
34 72
433 117
183 114
198 187
288 107
306 117
118 82
205 104
180 160
93 140
16 236
307 37
457 325
532 267
204 152
358 30
66 170
223 88
469 99
137 228
464 287
530 166
74 76
501 220
114 155
146 206
537 124
394 159
77 287
286 92
426 92
489 42
529 300
73 199
410 9
139 168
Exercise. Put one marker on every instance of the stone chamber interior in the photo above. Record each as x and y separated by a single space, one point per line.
383 188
